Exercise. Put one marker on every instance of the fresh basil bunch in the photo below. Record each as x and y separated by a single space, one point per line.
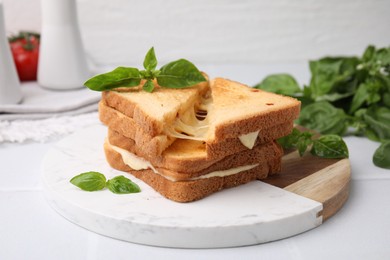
176 74
346 95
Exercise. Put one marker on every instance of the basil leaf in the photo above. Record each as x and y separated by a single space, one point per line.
89 181
331 75
384 81
297 139
359 98
333 96
150 61
179 74
304 142
374 90
378 123
283 84
323 117
119 77
348 66
122 185
347 85
383 56
291 140
381 156
330 146
325 73
369 53
386 99
148 86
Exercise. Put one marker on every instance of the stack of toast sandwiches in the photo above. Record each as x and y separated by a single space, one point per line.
189 143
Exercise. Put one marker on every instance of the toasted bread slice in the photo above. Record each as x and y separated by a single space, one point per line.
151 111
190 156
197 188
234 110
238 109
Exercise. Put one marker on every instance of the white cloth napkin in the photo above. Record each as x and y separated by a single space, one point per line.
46 114
42 103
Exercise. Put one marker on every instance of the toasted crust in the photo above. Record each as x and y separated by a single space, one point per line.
239 109
233 145
190 157
151 111
127 126
186 191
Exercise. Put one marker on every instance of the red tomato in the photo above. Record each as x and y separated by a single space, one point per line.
25 51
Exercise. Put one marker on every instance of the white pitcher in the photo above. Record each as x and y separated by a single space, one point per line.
10 92
62 61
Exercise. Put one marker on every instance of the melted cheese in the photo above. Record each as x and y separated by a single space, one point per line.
249 140
188 126
133 161
228 172
137 163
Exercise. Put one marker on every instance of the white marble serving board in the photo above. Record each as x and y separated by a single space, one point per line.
249 214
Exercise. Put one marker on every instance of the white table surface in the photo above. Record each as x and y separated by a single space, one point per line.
31 229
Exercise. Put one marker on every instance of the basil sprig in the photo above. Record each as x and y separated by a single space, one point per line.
326 146
176 74
94 181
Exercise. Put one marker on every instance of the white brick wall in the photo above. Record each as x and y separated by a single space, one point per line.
219 31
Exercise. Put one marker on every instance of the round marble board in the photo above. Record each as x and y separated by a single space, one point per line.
307 192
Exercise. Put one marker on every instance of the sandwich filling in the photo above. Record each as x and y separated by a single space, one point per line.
249 140
193 124
137 163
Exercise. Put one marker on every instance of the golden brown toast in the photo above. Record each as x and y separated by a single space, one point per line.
151 111
238 109
127 126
